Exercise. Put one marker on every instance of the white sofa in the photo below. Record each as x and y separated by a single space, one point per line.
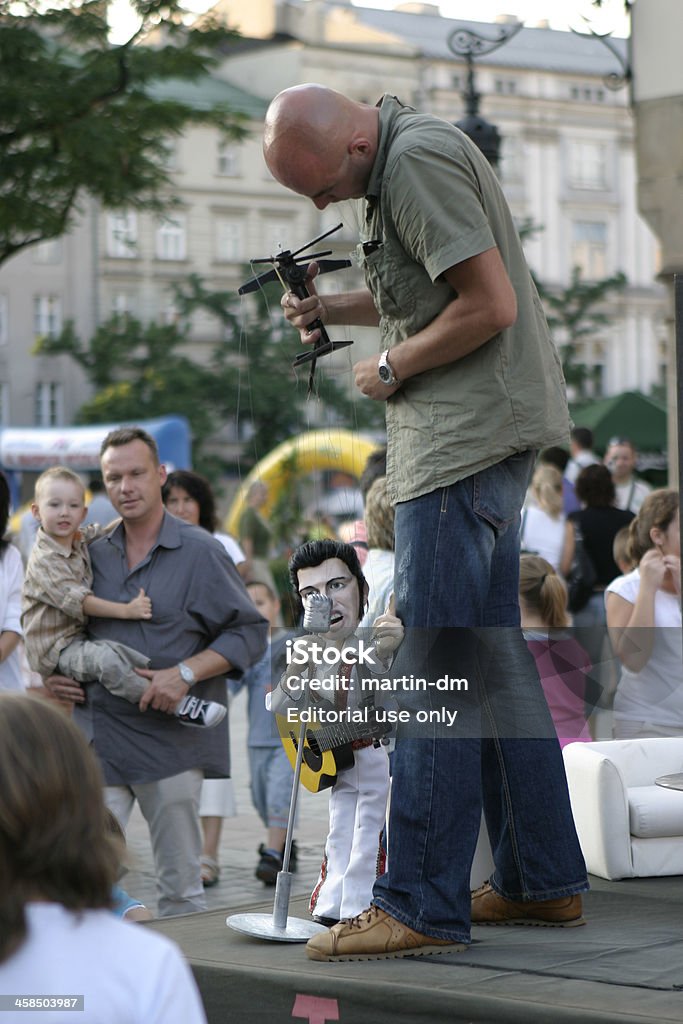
628 827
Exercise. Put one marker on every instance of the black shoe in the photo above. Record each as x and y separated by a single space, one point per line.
329 922
268 866
293 856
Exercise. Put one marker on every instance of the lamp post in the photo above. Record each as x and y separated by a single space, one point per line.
464 42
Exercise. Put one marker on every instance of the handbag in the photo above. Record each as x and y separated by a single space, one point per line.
582 576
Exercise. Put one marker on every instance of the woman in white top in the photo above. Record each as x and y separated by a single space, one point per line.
11 577
543 521
189 496
644 620
58 863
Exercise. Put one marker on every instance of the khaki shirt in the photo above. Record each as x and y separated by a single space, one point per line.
433 201
56 583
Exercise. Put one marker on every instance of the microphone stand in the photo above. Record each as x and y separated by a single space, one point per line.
278 926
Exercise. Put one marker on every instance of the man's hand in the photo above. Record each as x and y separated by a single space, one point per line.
165 691
367 380
65 690
302 312
140 607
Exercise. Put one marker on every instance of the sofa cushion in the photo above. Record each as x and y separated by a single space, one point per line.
655 812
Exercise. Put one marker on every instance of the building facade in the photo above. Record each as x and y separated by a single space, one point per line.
568 168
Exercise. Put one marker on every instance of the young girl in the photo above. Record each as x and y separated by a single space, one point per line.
561 662
644 620
543 523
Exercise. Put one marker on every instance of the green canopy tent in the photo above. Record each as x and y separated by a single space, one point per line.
630 415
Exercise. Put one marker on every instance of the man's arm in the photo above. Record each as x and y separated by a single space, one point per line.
166 686
355 308
484 305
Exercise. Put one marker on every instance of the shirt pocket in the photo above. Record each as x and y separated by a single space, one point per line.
392 291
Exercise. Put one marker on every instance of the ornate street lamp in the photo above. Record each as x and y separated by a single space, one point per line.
464 42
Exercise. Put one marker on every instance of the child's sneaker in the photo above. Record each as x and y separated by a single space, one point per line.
269 866
200 713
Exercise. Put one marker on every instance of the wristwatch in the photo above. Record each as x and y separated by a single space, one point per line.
186 673
386 374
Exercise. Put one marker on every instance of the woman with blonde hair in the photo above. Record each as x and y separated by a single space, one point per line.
543 521
561 661
644 620
58 863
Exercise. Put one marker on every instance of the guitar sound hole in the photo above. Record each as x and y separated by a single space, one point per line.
312 754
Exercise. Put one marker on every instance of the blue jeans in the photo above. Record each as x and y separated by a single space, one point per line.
457 565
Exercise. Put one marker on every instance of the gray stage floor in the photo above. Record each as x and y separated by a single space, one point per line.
625 965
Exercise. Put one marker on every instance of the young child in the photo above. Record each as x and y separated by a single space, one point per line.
57 598
271 772
620 551
561 661
353 856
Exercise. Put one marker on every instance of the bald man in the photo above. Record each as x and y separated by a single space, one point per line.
472 387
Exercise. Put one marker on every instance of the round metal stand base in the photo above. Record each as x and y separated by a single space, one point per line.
262 926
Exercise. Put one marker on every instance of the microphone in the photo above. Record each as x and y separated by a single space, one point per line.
317 613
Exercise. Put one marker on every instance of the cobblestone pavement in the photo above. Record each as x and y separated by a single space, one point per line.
240 839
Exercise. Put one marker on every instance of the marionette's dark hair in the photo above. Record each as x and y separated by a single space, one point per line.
315 552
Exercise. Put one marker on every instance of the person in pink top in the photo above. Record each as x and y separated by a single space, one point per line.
561 661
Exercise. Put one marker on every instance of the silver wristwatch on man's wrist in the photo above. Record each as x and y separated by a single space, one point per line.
186 674
385 371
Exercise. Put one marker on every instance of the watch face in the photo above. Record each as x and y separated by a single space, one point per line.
186 673
385 374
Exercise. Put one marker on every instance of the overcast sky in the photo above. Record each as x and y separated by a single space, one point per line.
561 14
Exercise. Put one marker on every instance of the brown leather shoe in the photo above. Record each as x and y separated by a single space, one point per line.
490 908
375 935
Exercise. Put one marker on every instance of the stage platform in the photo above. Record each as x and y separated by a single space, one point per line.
625 965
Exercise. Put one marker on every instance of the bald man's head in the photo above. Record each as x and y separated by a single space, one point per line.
320 143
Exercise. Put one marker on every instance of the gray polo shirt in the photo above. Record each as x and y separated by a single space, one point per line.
198 602
433 201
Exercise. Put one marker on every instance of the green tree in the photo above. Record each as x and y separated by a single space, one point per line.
80 115
575 314
139 371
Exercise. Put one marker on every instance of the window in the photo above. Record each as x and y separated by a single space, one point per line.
505 86
588 94
49 409
122 304
229 163
168 312
278 236
229 239
48 252
171 239
4 404
512 160
589 248
597 371
171 154
588 165
47 316
122 235
4 325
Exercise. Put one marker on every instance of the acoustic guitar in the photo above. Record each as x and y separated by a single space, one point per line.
328 748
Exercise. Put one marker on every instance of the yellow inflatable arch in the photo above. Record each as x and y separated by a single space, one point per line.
318 449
